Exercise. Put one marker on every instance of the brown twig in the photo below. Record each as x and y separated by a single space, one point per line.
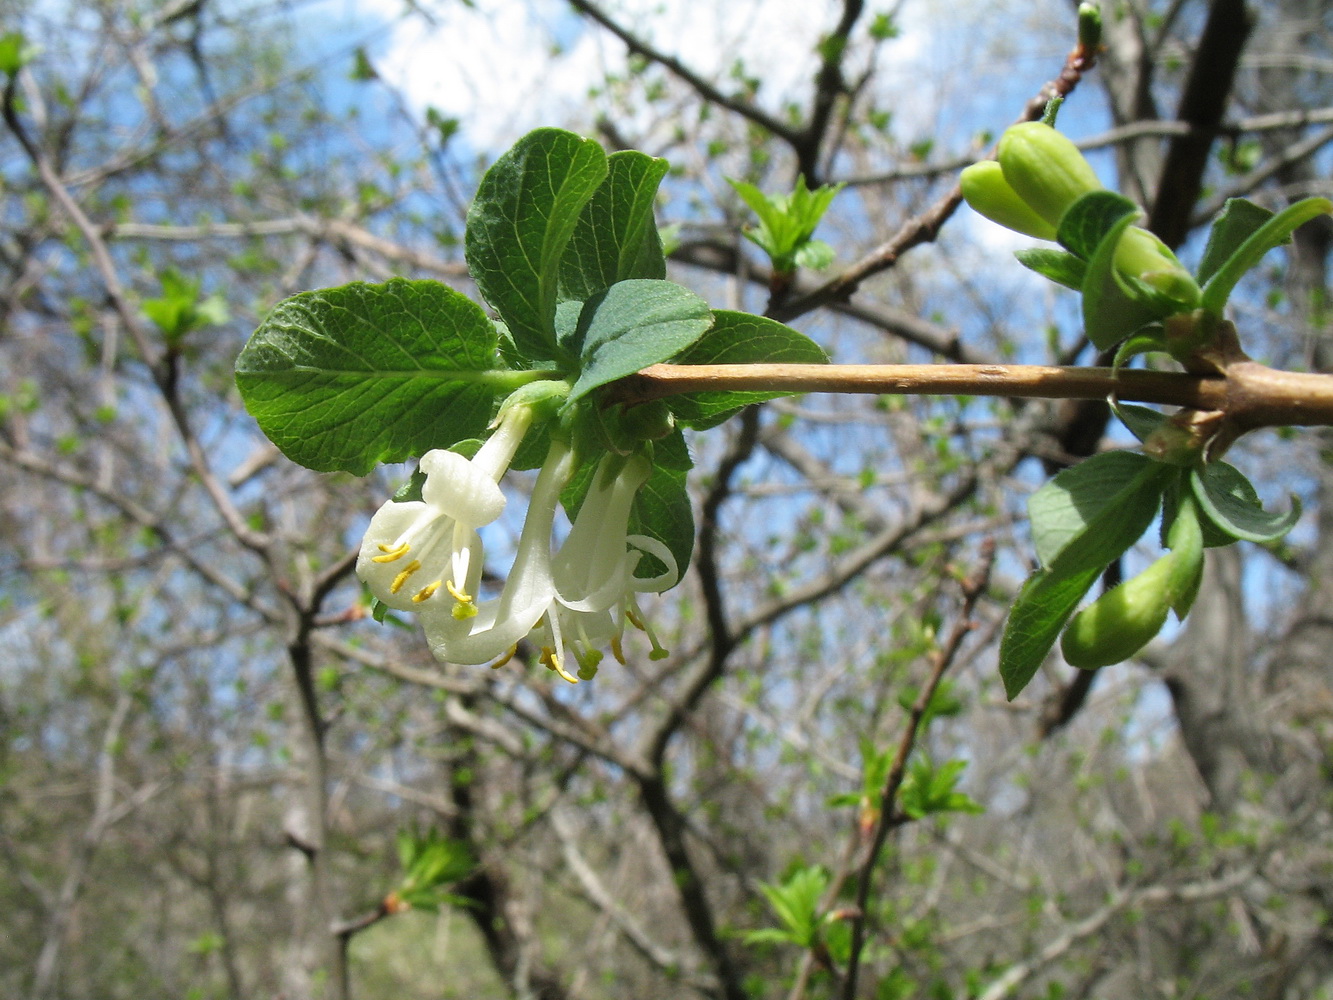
1249 394
889 816
924 228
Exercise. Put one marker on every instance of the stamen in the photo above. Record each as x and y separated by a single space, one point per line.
616 650
513 651
456 594
401 578
636 619
425 592
552 660
391 553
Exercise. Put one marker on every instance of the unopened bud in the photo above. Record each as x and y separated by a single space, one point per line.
989 194
1122 621
1142 255
1089 27
1045 169
1126 618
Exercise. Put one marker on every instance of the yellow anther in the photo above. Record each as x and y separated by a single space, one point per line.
513 651
391 553
425 592
401 578
616 650
552 660
456 594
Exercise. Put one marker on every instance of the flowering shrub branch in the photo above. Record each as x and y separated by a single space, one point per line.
598 363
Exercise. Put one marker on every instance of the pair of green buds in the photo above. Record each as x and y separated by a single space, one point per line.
1037 177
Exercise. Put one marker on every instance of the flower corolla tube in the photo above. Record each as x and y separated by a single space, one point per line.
528 595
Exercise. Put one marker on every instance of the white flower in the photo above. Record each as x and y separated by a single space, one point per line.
425 554
594 570
500 623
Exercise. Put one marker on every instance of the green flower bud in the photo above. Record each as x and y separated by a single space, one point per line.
1126 618
1122 621
1142 255
989 194
1045 168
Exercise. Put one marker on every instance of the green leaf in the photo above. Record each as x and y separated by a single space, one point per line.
736 339
616 236
362 68
1109 314
813 254
1078 504
632 325
15 52
1237 222
1091 219
1144 342
1231 502
1044 604
525 213
1057 265
349 377
1142 421
1272 233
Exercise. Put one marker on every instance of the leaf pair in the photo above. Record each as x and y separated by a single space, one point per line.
555 192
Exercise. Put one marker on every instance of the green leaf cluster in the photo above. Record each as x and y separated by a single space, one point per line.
787 223
928 789
181 308
16 52
796 904
431 862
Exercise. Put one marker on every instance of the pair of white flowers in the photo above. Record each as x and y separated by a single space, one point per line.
426 556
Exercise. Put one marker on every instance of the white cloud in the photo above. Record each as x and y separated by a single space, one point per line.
506 66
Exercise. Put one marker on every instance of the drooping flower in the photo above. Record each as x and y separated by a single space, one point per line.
528 595
596 563
425 554
594 574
